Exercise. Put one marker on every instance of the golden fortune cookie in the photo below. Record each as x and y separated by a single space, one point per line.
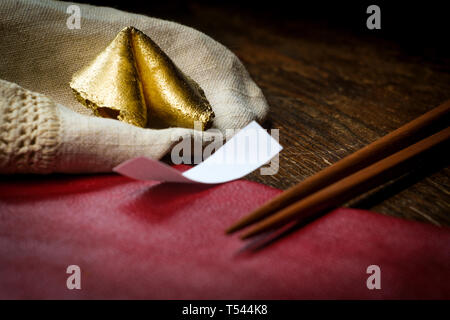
133 80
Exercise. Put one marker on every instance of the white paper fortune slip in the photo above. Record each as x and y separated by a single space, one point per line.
245 152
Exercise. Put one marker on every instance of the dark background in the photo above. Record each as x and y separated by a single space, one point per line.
420 27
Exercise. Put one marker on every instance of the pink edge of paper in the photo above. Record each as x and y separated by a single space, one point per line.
143 168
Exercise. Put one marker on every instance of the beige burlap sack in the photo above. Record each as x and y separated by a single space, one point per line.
46 130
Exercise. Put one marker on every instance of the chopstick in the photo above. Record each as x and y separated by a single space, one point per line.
385 146
347 188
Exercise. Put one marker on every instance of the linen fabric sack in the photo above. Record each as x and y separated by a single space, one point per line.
44 129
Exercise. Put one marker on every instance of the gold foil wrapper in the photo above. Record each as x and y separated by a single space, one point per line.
133 80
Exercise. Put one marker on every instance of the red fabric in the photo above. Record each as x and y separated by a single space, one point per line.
135 239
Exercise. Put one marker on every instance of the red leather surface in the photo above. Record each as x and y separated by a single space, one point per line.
136 239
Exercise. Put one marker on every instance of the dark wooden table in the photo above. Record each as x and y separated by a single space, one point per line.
332 91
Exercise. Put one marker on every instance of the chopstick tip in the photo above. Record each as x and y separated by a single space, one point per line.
235 227
231 230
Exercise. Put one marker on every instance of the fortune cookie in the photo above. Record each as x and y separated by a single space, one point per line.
133 80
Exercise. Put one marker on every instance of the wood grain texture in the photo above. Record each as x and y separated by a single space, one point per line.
331 92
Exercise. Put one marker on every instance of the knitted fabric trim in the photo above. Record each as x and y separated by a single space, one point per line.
29 131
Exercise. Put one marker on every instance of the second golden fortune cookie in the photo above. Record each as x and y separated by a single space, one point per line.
133 80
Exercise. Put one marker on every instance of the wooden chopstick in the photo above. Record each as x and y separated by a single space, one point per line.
409 133
351 186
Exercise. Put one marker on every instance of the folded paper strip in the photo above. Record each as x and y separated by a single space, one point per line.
133 80
230 162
